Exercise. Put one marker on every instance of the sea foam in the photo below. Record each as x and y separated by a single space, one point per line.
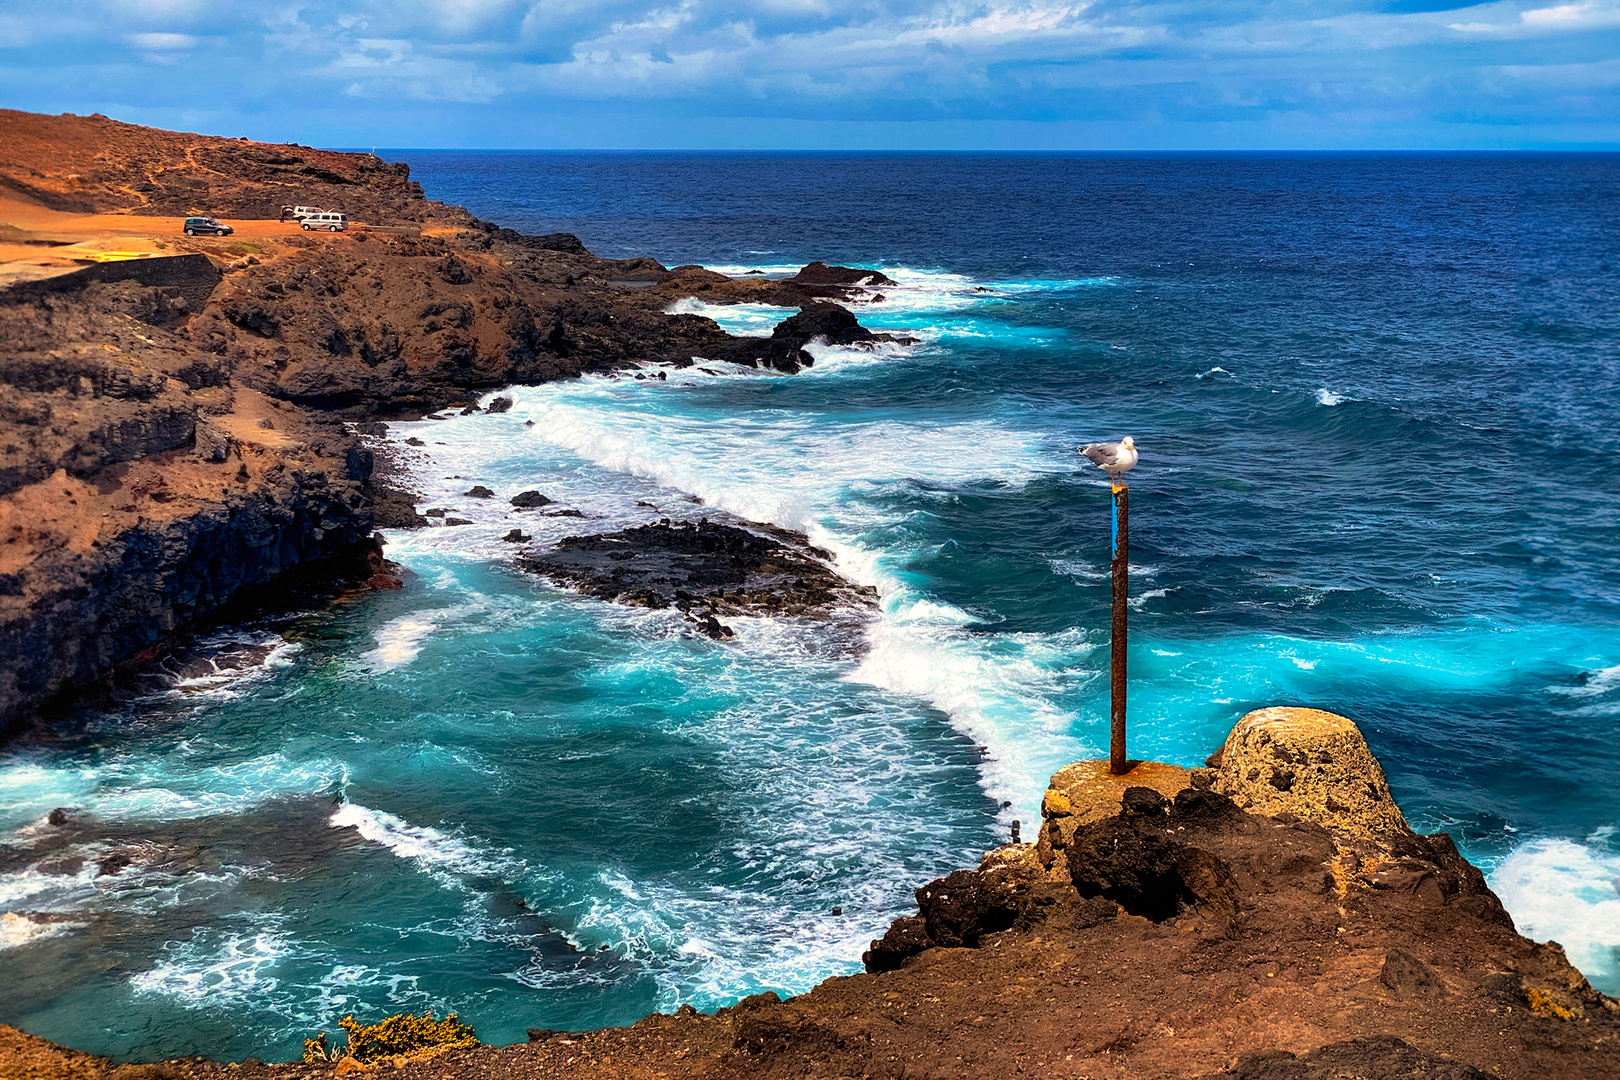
1568 891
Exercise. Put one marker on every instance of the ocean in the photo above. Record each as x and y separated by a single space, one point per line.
1377 399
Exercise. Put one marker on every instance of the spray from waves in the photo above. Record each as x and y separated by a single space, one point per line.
1324 396
223 663
1567 891
913 294
16 930
743 320
1001 694
997 692
740 466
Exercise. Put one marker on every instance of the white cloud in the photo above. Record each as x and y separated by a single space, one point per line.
835 60
1569 15
161 42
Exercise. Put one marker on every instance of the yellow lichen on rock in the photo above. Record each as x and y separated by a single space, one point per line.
401 1034
1310 763
1545 1003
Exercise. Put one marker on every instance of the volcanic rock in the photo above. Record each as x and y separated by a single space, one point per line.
704 569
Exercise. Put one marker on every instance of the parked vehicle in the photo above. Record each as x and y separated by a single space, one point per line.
331 220
207 226
299 213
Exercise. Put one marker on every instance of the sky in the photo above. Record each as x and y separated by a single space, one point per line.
832 74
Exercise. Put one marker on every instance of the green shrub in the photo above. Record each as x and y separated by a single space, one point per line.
403 1033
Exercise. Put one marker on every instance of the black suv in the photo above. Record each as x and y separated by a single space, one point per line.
207 226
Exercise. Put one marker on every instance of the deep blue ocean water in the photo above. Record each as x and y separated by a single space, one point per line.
1377 399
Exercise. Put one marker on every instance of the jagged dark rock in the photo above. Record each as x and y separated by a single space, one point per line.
703 568
819 273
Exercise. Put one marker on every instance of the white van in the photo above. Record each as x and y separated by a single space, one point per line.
330 220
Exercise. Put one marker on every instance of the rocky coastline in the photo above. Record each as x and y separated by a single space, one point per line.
172 447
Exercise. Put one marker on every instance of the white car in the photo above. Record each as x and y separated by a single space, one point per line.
330 220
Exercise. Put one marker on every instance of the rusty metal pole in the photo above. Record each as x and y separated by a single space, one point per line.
1116 664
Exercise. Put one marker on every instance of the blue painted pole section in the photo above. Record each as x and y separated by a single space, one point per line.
1113 546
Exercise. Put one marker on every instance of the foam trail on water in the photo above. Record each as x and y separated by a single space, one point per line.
435 852
237 969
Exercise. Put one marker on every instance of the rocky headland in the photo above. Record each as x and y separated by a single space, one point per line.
1269 917
178 429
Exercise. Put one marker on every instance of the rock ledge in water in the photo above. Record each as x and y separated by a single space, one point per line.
704 569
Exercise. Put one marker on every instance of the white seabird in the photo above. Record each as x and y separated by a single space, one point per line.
1114 458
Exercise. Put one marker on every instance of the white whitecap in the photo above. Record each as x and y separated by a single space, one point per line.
432 850
400 640
1593 683
241 967
1324 396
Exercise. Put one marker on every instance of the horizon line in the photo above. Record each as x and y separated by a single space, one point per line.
1599 148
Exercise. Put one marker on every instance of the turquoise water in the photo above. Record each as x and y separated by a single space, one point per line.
1374 402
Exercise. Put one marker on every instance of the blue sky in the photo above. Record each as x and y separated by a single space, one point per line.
901 74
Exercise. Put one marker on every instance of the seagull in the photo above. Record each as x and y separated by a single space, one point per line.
1113 457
